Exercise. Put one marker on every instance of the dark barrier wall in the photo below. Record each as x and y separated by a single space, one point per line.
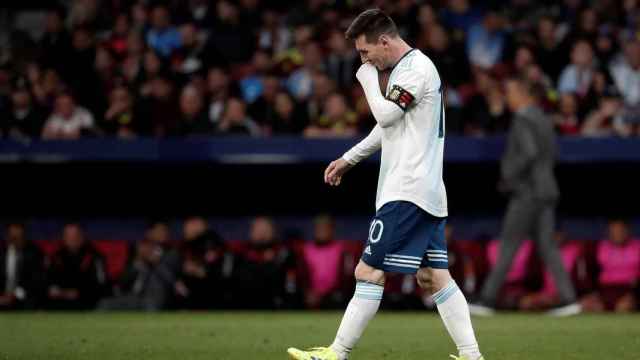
281 176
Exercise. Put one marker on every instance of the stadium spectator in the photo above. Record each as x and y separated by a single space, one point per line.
147 283
22 270
325 261
118 39
289 117
80 72
524 57
76 277
55 45
203 276
625 71
577 77
323 87
235 120
337 120
132 66
188 59
163 37
228 30
23 118
160 234
273 34
487 41
486 109
120 118
84 13
193 120
69 121
549 50
159 110
137 42
153 66
448 56
300 82
262 110
200 12
460 15
220 88
602 121
618 259
566 120
267 276
253 84
341 62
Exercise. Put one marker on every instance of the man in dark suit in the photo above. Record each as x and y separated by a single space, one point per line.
21 270
527 174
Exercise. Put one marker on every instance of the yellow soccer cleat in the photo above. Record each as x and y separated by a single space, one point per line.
318 353
463 357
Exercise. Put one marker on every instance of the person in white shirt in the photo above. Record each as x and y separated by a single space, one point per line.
407 233
68 121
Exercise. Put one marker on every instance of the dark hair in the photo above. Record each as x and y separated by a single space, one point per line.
372 23
531 88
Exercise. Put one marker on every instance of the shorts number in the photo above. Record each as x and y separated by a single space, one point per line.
375 225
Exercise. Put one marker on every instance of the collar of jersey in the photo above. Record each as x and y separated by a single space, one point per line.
402 57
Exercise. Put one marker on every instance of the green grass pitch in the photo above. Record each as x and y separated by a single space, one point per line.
261 335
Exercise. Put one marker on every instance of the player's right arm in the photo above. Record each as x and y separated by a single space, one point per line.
362 150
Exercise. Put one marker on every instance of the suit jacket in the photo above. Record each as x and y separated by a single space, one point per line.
527 165
29 274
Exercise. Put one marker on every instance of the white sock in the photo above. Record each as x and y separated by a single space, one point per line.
361 309
454 311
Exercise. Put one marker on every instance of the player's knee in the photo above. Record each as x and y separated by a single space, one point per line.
432 280
367 273
425 280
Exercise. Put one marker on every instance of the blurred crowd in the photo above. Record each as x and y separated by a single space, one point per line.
128 68
268 270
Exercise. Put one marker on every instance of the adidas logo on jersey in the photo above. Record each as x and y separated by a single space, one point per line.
368 250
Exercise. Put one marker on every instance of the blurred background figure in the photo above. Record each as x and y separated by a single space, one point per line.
147 283
527 173
267 277
206 269
618 262
76 277
69 121
132 109
327 266
150 280
22 272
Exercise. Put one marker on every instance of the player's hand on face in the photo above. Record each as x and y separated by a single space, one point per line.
367 73
335 170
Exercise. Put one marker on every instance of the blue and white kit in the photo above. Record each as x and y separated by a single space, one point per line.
411 203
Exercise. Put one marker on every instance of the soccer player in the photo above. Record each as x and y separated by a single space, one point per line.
407 232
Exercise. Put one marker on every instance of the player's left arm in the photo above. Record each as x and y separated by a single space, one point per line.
405 89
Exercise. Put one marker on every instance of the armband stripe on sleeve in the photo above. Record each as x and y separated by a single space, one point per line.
400 97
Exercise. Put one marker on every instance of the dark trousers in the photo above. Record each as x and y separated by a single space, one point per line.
534 219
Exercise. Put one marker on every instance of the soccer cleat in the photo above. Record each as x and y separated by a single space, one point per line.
566 310
464 357
481 310
317 353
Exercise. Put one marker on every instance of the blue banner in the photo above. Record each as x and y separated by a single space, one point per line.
283 150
